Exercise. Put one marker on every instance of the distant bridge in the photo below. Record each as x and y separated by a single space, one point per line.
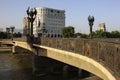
100 57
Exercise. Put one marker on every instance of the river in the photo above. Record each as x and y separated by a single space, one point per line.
11 69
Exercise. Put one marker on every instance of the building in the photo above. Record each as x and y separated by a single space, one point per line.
49 22
102 27
4 29
25 26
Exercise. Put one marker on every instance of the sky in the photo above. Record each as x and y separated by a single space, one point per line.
77 12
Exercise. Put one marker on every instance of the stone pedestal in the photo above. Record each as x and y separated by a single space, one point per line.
13 49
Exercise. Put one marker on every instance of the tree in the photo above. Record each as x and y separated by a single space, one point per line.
115 34
81 35
100 34
3 35
6 35
68 32
103 34
17 34
84 35
77 35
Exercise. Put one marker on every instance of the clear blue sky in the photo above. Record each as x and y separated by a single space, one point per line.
77 12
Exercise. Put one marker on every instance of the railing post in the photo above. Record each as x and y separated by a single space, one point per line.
13 49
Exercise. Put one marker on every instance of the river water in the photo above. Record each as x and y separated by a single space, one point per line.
11 69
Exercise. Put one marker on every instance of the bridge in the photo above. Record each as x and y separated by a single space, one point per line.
98 56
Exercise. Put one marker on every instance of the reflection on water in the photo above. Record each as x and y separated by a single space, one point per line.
12 71
26 74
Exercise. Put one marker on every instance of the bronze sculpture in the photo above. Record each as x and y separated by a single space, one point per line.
31 17
91 20
12 30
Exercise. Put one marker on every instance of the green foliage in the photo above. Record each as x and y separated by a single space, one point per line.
17 34
68 32
4 35
80 35
115 34
84 35
103 34
99 34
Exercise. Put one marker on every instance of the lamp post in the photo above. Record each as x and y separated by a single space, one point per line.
31 17
91 20
8 32
12 30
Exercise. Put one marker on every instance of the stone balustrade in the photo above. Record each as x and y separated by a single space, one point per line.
105 51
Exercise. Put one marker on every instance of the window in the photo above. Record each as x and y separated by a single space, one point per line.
51 10
58 11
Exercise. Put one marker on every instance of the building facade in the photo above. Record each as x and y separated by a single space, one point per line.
49 22
102 27
4 29
25 27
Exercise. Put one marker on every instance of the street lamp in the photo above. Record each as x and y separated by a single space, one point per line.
8 30
91 20
31 17
12 30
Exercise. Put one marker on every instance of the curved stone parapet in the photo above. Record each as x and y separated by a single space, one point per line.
100 57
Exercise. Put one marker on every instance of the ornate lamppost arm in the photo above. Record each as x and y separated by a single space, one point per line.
31 17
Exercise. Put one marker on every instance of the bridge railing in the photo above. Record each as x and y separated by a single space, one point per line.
107 53
21 39
104 51
5 39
